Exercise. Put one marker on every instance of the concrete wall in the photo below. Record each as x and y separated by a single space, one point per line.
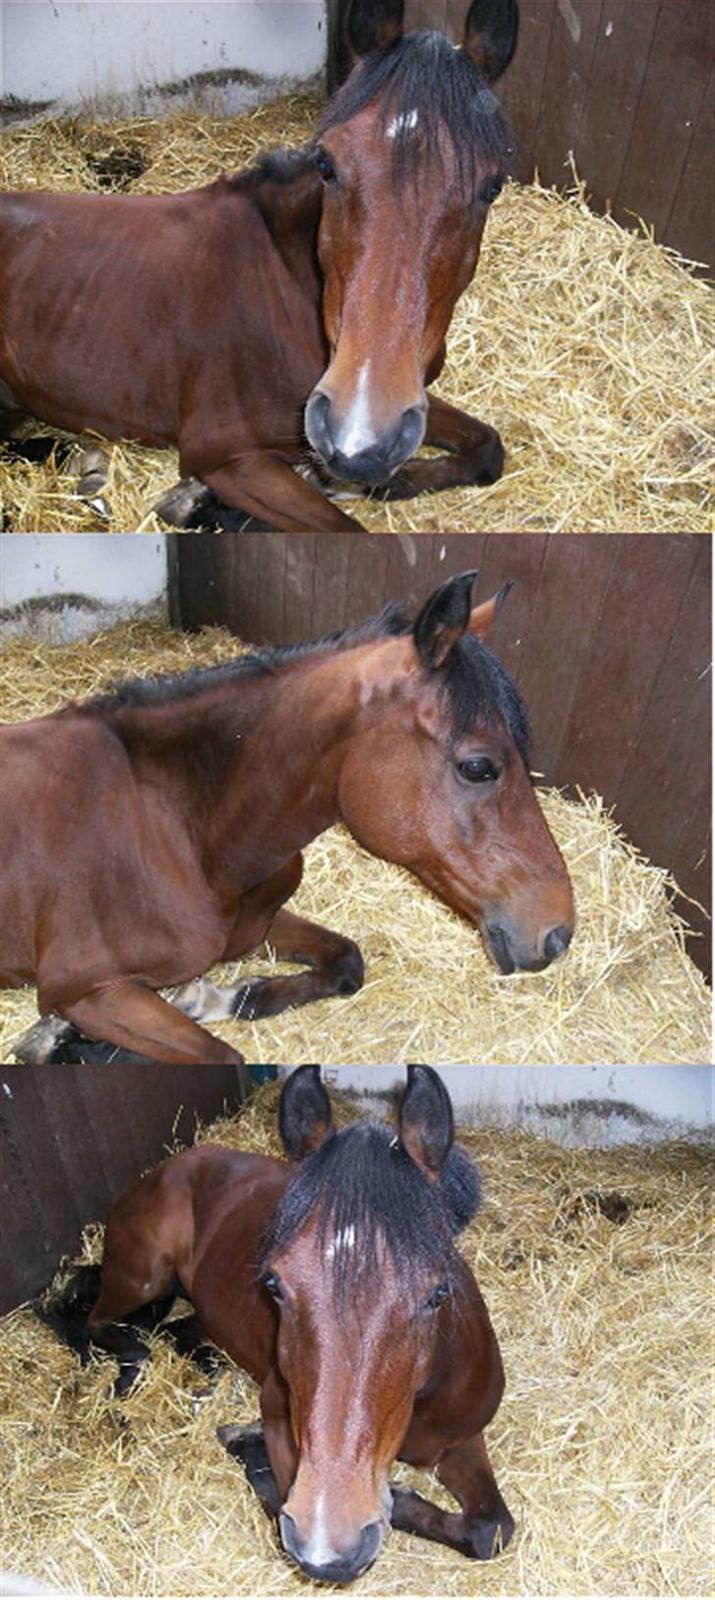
133 56
63 586
574 1105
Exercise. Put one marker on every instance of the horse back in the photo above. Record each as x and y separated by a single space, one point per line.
205 1212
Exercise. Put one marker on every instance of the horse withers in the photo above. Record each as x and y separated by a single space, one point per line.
335 1282
295 312
157 830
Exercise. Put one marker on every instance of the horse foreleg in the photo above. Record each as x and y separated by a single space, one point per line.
133 1017
476 455
337 964
267 1448
248 1445
482 1528
265 487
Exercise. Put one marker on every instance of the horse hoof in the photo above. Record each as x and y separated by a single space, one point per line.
488 460
36 1047
180 503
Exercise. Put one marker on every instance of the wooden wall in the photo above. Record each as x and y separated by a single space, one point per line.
608 637
71 1138
628 85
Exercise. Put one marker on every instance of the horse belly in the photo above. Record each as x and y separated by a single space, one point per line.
86 326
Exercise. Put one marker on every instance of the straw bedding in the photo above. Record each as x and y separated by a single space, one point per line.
626 991
596 1267
587 345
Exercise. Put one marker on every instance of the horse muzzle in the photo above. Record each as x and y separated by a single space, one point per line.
352 451
317 1559
512 953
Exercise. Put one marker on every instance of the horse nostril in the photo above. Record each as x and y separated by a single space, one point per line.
557 940
369 1546
409 435
501 952
289 1534
318 424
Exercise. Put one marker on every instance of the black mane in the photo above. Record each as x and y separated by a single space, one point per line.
361 1179
476 685
422 72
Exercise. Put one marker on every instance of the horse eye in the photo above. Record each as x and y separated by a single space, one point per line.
438 1296
325 166
272 1283
491 189
479 769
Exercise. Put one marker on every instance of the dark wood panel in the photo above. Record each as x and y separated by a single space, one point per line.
679 66
72 1139
618 71
572 49
607 637
566 612
645 591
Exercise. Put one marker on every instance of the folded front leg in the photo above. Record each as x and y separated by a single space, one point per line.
266 487
475 455
132 1016
483 1526
337 969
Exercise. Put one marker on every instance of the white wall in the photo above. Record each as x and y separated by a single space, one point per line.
116 52
575 1105
62 586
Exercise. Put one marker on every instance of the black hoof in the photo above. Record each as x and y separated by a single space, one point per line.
488 461
489 1536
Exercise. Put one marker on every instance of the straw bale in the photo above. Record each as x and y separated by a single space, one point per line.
601 1446
588 345
626 991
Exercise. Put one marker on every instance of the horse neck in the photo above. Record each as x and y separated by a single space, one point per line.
291 212
251 765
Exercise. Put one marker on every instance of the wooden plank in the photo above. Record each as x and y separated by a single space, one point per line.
619 67
566 611
647 584
522 87
673 92
565 87
72 1138
512 557
690 227
656 790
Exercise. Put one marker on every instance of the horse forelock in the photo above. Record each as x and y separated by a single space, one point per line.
425 86
478 688
368 1201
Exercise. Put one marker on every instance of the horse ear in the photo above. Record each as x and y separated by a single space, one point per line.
305 1117
482 618
373 24
444 619
426 1122
491 34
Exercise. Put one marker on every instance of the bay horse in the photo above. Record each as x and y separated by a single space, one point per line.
301 304
335 1282
156 830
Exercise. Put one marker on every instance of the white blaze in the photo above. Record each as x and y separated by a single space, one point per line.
357 432
318 1552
